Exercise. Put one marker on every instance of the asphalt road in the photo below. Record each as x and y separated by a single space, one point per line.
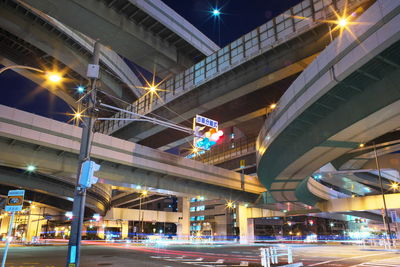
202 255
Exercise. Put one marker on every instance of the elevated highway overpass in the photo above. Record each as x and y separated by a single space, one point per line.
53 190
347 96
256 69
147 32
30 37
53 147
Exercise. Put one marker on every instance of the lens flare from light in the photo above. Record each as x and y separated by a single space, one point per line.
54 77
216 12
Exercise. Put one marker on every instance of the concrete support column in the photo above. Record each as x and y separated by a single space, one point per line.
5 221
183 227
124 229
101 229
34 224
31 224
246 225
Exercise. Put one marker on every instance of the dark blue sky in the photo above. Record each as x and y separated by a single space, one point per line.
237 18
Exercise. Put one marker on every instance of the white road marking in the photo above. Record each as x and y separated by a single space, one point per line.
343 259
391 262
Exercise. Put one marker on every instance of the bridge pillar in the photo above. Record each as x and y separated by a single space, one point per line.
35 222
245 224
124 229
183 227
5 220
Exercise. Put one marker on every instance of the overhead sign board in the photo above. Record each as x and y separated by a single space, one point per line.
206 121
15 200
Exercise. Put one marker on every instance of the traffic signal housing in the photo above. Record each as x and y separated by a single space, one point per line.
87 178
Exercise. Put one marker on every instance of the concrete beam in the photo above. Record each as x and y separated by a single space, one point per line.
124 163
145 215
360 203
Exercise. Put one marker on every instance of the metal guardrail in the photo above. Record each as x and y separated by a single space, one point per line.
227 151
384 243
255 43
271 255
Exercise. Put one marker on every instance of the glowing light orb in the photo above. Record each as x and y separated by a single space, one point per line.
394 186
77 115
54 77
31 168
80 89
342 22
216 12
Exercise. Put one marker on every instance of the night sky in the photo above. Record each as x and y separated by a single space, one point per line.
237 18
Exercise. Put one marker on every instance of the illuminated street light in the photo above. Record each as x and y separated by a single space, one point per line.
31 168
80 89
272 106
229 205
51 76
54 77
361 145
394 186
216 12
144 193
342 22
77 115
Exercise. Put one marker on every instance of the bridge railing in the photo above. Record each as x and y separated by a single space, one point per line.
255 43
227 151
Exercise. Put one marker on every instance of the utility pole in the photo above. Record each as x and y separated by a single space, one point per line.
386 215
78 209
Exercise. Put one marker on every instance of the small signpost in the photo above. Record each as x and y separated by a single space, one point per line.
15 202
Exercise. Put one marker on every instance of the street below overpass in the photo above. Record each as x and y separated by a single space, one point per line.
114 254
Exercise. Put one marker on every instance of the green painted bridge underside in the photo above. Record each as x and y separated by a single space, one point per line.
351 100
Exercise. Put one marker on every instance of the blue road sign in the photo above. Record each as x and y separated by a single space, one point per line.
206 121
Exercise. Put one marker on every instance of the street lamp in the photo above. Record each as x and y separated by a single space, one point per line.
51 76
394 186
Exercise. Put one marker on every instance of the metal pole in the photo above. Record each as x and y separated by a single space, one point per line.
386 216
140 214
78 210
3 263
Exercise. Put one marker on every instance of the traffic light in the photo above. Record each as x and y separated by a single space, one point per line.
86 179
209 139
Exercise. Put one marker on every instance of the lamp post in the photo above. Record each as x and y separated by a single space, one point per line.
52 77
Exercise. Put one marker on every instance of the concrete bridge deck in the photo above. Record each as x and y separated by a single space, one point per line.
53 146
